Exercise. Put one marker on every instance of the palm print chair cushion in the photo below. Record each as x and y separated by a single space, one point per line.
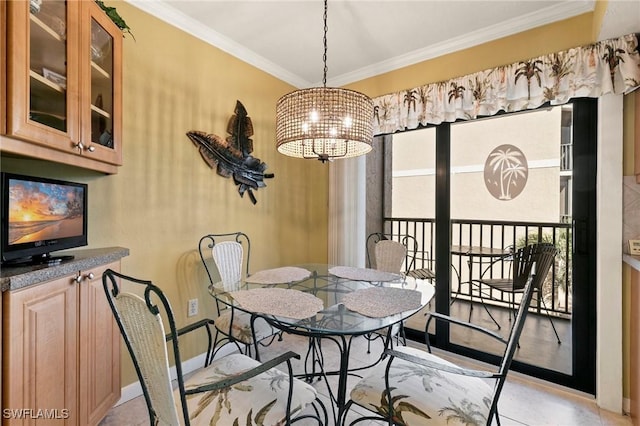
232 390
425 389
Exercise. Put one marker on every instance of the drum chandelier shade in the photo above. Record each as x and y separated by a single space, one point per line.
324 122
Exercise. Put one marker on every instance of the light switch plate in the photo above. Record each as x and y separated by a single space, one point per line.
634 247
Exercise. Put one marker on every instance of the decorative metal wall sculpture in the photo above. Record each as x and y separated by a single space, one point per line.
232 157
506 172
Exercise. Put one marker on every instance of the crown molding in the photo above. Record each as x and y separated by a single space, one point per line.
170 15
523 23
175 18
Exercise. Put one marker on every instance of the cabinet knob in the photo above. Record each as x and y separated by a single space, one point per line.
79 146
82 147
79 278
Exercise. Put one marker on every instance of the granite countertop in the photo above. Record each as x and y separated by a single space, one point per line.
17 277
632 260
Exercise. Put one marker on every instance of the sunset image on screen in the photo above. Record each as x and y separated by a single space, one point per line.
42 211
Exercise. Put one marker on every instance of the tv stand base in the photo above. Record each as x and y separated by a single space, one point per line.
38 260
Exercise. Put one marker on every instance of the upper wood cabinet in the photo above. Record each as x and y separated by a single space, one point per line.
3 70
64 78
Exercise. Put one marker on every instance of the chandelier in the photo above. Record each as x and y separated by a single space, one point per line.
324 122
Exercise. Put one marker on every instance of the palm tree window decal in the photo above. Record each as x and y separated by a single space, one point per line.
506 172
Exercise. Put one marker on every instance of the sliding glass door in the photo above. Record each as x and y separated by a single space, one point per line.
498 184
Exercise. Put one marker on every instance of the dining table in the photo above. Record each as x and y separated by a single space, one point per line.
473 253
332 302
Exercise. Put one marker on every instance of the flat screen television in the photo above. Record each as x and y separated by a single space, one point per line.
40 216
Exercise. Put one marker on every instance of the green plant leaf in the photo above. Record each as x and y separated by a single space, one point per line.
113 14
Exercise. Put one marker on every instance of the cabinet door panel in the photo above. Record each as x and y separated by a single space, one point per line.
99 349
43 71
101 95
634 347
3 70
40 363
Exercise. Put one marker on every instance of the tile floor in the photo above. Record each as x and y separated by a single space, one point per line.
524 401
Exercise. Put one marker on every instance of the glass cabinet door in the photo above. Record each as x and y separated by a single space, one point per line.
101 86
43 78
48 64
102 41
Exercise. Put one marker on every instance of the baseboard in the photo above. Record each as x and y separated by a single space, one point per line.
626 406
134 390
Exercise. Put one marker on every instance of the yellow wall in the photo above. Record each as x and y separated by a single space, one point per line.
164 197
598 17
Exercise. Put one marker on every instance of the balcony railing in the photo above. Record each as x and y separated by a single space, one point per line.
566 157
502 235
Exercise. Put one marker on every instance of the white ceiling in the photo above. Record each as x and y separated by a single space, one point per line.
366 38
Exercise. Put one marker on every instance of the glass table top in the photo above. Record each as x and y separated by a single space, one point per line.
323 303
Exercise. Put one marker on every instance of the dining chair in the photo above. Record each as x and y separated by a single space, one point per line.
416 387
384 253
477 257
512 282
234 389
390 255
395 253
229 253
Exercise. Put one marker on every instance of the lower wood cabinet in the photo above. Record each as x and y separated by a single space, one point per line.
99 362
635 347
61 352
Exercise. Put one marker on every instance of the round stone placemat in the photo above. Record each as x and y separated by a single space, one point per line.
378 302
279 302
284 275
363 274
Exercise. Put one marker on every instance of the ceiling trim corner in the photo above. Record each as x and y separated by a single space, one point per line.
171 16
523 23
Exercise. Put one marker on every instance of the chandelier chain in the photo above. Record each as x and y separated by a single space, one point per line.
324 40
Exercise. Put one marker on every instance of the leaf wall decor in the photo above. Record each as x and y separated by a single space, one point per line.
231 157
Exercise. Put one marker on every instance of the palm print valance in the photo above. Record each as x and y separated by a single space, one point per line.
609 66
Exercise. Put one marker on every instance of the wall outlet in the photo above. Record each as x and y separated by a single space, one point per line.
192 308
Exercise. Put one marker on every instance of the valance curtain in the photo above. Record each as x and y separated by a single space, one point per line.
609 66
